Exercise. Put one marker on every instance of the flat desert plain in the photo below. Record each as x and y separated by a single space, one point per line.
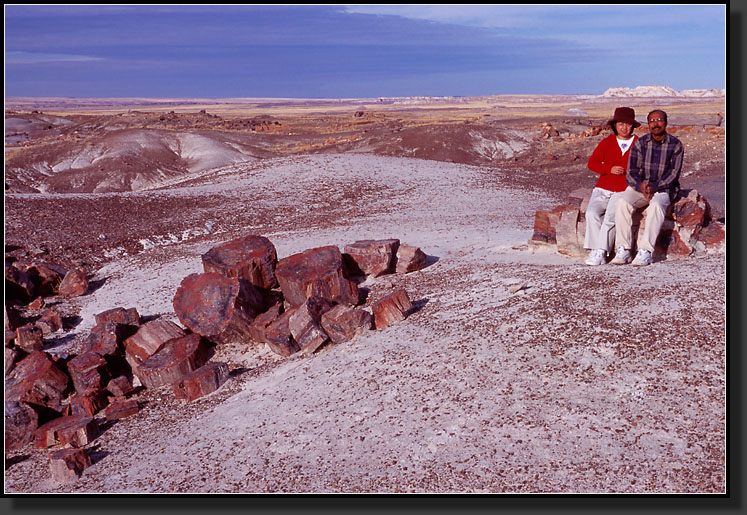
518 370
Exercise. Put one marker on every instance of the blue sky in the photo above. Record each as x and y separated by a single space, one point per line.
347 51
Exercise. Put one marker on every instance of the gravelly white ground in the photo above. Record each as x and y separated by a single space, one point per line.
605 379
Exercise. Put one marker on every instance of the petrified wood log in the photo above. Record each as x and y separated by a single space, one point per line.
217 307
206 379
46 277
128 316
120 386
74 284
148 339
691 211
30 338
121 408
89 372
251 257
342 323
262 322
305 324
36 379
175 359
18 284
76 430
49 322
373 257
88 404
316 272
21 422
278 335
391 309
410 259
67 465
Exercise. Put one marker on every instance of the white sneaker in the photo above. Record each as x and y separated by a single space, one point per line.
642 258
596 257
622 257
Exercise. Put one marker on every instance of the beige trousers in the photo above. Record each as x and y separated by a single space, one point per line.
629 202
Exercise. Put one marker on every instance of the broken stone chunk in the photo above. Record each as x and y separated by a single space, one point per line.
74 284
206 379
251 257
373 257
67 465
21 422
30 338
278 335
148 339
121 408
75 430
410 259
173 360
305 324
36 379
89 372
391 309
342 323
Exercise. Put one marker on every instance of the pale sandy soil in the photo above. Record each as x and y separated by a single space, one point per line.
605 379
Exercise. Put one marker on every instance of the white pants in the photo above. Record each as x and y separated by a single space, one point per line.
600 219
631 200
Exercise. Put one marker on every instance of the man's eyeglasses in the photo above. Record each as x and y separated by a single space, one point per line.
657 120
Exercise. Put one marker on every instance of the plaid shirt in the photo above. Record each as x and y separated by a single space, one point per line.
658 163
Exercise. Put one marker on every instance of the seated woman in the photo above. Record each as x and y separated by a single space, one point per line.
610 161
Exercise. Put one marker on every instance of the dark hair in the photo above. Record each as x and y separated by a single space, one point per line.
657 111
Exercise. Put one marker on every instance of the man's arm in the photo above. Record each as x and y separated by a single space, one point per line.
671 174
634 175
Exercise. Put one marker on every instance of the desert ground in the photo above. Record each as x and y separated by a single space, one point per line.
518 370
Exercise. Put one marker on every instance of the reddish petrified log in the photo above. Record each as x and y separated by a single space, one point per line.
175 359
30 338
148 339
46 277
410 259
305 324
712 235
262 322
278 335
206 379
36 379
342 323
21 422
12 356
120 386
391 309
121 408
315 273
67 465
126 316
89 372
251 257
75 430
217 307
49 322
373 257
691 211
74 284
89 403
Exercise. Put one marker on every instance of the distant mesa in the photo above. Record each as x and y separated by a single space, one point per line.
661 91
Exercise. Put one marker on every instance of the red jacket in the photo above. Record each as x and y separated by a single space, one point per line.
605 156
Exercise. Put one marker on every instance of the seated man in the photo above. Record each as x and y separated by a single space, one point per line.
653 180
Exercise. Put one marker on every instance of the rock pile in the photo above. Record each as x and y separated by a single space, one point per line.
688 228
245 294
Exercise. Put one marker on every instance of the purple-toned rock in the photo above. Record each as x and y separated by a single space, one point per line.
89 403
373 257
67 465
30 338
315 273
49 322
410 259
12 356
46 277
217 307
278 335
175 359
148 339
126 316
305 324
391 309
121 408
89 372
120 386
21 422
206 379
74 284
18 285
75 430
343 323
104 340
712 236
36 379
251 257
262 322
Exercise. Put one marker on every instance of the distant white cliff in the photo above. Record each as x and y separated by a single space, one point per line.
661 91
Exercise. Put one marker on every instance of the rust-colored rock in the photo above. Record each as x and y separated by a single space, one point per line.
315 273
148 339
36 379
75 430
74 284
305 324
278 335
126 316
262 322
343 323
89 403
120 386
217 307
569 233
30 338
175 359
12 356
121 408
46 277
712 236
373 257
410 259
692 210
21 422
89 372
391 309
50 321
67 465
250 257
104 340
206 379
37 304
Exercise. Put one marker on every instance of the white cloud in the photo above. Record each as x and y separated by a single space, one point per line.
15 57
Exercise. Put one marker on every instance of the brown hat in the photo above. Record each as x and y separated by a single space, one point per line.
625 114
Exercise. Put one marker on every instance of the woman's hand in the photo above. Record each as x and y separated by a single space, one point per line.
617 170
